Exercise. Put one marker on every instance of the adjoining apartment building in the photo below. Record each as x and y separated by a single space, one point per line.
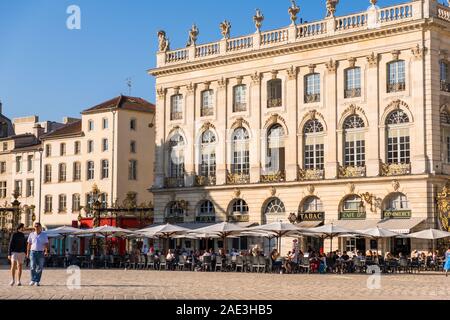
54 166
343 120
111 146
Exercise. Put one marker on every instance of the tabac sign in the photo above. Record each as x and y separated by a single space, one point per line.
311 216
443 202
306 216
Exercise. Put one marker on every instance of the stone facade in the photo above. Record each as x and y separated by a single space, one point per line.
383 140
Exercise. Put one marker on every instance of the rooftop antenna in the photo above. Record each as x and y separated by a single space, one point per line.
129 85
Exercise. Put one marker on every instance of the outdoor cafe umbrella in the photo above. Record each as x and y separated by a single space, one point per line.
105 231
223 230
330 231
61 232
430 234
164 231
262 234
280 229
378 233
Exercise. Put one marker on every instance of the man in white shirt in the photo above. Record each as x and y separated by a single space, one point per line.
37 250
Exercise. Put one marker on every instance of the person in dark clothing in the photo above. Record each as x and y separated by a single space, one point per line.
16 254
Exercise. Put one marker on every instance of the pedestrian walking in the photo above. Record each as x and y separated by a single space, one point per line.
16 254
447 262
37 250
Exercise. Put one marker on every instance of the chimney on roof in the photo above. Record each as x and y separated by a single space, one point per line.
69 120
1 107
38 130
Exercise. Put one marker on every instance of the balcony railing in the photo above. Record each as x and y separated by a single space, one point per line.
279 176
205 180
316 30
395 169
174 182
445 86
238 217
396 87
310 174
352 93
239 107
207 111
237 178
274 103
310 98
352 172
176 115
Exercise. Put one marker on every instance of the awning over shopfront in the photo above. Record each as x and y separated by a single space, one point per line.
403 226
195 225
309 224
356 224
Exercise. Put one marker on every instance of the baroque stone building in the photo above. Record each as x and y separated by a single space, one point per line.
342 120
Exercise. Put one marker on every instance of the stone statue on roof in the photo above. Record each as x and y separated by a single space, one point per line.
163 42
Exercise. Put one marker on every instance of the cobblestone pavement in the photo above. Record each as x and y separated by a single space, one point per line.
138 284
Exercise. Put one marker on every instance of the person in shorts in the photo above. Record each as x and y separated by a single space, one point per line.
16 254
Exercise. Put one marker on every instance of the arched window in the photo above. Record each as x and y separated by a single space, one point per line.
397 202
443 67
176 107
352 203
240 98
241 154
354 142
313 145
398 139
175 213
274 95
352 82
207 107
275 149
311 205
239 207
176 156
312 87
396 76
206 212
445 132
208 154
275 206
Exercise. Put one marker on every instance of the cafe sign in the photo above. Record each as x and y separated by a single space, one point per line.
397 214
352 215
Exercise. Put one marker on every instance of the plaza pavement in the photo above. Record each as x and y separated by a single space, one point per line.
137 284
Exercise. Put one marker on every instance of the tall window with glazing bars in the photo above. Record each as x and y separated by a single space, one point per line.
355 144
396 76
241 154
176 157
207 108
176 107
443 67
352 82
274 96
398 138
314 153
240 98
312 87
208 154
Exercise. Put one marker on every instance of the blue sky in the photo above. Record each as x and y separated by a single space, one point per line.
48 70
